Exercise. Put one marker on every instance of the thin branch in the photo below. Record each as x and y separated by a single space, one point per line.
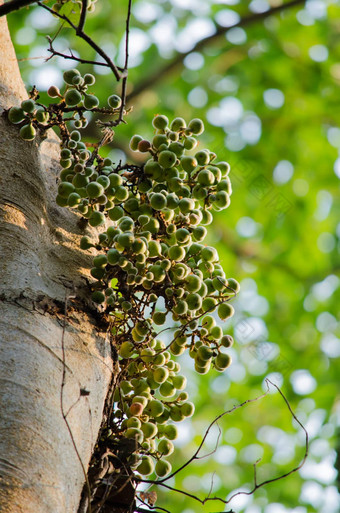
80 33
82 15
126 63
220 31
196 456
268 481
162 482
14 5
54 53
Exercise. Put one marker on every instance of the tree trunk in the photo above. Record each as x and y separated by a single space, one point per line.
42 270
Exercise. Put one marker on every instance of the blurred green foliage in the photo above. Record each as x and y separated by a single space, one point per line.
269 96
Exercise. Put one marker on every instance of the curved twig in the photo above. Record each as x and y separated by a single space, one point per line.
160 73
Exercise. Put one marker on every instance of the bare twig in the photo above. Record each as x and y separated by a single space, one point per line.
14 5
72 57
82 18
162 482
196 456
80 33
160 73
126 63
268 481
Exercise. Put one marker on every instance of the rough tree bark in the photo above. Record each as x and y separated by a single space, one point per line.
41 267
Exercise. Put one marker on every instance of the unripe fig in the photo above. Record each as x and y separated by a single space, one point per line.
176 253
85 243
135 433
155 249
216 332
209 304
94 189
177 148
133 422
199 192
42 116
78 80
90 101
65 189
121 193
222 199
185 205
227 341
160 374
151 168
193 283
179 382
209 254
190 143
233 285
187 409
196 126
28 106
178 124
162 468
158 201
224 167
175 413
180 308
27 132
98 297
194 301
208 322
170 432
167 389
167 159
134 142
16 115
165 447
96 218
146 466
149 429
202 370
202 157
158 140
204 353
73 200
225 310
53 92
188 163
155 408
176 349
159 318
126 349
69 75
72 97
222 361
205 177
114 101
206 217
89 79
160 122
182 235
199 233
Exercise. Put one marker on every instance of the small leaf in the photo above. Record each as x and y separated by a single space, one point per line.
71 11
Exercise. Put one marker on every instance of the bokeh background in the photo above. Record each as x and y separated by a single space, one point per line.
268 90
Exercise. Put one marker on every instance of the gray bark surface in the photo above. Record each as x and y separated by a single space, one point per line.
41 269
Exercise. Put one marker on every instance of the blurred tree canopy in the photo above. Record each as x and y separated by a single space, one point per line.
267 87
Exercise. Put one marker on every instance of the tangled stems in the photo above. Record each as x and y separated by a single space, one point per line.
151 265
